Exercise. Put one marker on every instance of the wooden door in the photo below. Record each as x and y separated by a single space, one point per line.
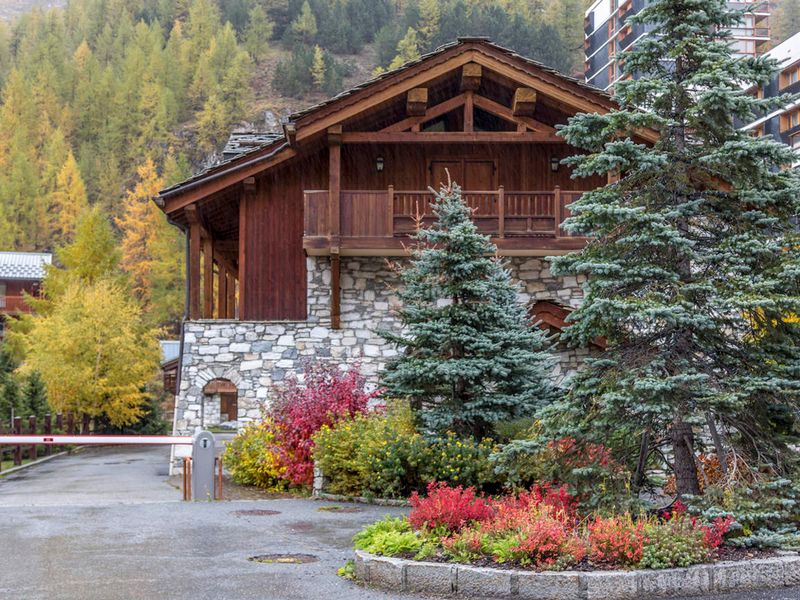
478 175
440 169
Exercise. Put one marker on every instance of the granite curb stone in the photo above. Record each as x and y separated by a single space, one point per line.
483 582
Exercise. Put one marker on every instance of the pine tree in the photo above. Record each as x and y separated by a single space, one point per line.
34 395
258 33
318 68
304 27
693 271
470 356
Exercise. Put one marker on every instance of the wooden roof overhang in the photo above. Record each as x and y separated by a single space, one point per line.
362 109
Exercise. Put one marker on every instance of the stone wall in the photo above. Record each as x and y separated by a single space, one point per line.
256 355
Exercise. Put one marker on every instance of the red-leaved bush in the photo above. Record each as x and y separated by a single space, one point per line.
326 396
714 533
447 508
545 540
616 540
510 511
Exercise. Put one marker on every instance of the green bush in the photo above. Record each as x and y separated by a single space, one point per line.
383 455
676 543
251 459
389 537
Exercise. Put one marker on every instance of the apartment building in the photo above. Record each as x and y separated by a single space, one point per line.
783 123
608 33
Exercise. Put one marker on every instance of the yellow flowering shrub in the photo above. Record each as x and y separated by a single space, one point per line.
251 460
382 454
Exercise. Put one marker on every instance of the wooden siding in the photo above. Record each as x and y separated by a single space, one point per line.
275 273
13 302
407 167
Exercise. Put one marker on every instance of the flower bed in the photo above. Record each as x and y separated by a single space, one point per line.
539 529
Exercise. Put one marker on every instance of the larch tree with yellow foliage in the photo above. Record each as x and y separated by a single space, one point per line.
68 201
152 255
88 339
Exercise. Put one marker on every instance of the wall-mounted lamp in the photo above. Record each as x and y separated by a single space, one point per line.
555 162
379 164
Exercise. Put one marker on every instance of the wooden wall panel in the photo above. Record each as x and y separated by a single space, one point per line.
519 167
275 274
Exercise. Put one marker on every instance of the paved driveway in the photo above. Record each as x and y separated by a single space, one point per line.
106 525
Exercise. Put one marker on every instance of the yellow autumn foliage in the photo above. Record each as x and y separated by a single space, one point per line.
93 352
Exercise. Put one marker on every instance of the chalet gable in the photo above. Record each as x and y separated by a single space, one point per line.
469 91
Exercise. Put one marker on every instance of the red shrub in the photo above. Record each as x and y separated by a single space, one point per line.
616 541
327 396
714 534
448 508
511 510
544 541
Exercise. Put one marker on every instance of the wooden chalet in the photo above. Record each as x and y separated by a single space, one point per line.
349 175
20 273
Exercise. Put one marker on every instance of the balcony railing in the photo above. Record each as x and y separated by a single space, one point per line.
388 214
13 304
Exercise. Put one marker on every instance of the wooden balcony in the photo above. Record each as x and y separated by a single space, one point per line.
11 305
379 222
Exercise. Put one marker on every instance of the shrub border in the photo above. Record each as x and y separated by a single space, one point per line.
397 575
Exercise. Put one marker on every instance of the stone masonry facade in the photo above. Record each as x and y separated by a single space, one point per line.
256 355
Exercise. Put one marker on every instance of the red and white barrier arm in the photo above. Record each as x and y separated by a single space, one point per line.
126 440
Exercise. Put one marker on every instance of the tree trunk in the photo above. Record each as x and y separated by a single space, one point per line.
644 449
722 455
683 448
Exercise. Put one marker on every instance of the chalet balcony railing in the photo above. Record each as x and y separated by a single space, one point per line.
13 304
394 213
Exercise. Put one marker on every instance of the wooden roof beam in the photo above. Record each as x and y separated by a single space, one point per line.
524 102
471 77
416 102
433 112
506 113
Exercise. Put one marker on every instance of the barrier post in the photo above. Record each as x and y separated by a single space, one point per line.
48 430
70 427
17 427
203 463
32 431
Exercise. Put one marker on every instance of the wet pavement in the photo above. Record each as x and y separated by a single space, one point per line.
106 524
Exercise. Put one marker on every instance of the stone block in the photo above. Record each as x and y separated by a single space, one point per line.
362 569
691 581
549 586
250 365
748 575
432 578
791 571
387 573
619 585
481 582
241 347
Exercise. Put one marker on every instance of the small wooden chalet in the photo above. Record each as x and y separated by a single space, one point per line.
293 228
20 273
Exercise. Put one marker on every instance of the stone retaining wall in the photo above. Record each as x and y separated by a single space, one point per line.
400 575
256 355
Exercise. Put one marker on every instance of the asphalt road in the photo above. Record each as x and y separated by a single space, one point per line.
105 525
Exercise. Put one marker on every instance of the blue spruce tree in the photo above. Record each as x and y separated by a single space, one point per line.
470 355
693 272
